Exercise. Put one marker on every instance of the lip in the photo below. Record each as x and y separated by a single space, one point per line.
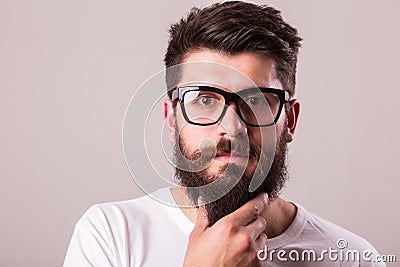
229 157
233 153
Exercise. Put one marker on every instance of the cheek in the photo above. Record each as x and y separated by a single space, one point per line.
254 135
179 119
193 136
264 137
281 127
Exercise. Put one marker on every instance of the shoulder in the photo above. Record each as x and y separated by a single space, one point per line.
106 232
121 214
334 234
330 236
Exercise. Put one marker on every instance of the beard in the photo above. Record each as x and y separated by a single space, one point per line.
232 180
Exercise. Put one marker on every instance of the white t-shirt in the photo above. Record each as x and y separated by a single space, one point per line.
145 232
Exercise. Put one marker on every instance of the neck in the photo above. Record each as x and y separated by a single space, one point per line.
278 214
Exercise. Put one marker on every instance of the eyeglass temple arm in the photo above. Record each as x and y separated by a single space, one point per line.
174 93
287 97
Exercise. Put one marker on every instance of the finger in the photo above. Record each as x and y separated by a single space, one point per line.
256 228
201 220
251 210
261 241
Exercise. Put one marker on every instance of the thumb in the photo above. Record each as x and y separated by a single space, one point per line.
202 219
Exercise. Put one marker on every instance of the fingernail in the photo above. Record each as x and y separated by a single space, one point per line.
200 201
266 198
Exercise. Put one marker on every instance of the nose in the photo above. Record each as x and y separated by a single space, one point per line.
230 124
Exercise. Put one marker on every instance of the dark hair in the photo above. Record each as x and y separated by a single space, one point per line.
234 27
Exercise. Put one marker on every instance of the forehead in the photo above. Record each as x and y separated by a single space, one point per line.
233 72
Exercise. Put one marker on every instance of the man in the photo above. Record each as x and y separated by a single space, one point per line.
230 113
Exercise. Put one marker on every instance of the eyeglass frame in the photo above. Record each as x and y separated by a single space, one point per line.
230 98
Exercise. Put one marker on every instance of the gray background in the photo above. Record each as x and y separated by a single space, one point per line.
69 68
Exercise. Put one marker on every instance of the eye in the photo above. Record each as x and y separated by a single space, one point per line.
201 99
254 101
205 100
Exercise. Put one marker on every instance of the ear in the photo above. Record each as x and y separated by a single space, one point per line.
293 116
169 117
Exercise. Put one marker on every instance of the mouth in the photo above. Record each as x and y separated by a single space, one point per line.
232 157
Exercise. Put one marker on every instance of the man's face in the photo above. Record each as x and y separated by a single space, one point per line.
238 148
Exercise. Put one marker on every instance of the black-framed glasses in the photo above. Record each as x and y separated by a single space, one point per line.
206 105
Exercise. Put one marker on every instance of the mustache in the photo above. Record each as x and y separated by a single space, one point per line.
228 146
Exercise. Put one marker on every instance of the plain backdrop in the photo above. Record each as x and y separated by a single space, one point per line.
68 70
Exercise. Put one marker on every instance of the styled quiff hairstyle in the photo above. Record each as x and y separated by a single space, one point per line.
234 27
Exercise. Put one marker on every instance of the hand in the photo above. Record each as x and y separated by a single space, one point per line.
232 241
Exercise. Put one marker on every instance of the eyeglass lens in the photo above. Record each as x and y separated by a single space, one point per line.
204 107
